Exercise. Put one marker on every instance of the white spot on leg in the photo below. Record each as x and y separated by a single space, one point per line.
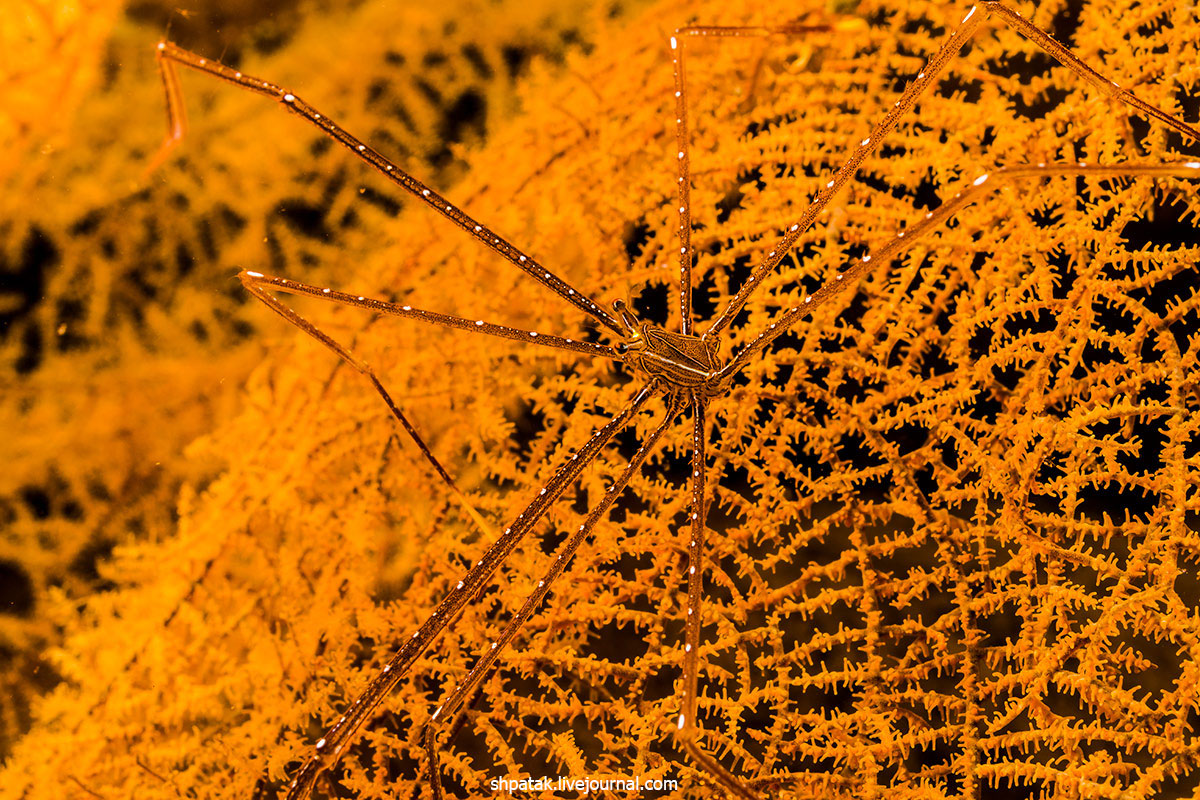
674 44
320 744
981 180
254 274
681 722
970 14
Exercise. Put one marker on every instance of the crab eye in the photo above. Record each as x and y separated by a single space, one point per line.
622 348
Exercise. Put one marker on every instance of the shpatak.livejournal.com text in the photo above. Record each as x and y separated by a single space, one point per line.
582 786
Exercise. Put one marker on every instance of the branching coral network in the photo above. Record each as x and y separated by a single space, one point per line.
951 545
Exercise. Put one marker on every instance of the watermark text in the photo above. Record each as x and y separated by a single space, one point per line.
584 785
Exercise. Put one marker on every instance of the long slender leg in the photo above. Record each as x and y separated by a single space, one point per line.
257 283
1064 56
170 54
683 183
483 666
687 719
987 182
249 280
343 732
686 727
925 79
